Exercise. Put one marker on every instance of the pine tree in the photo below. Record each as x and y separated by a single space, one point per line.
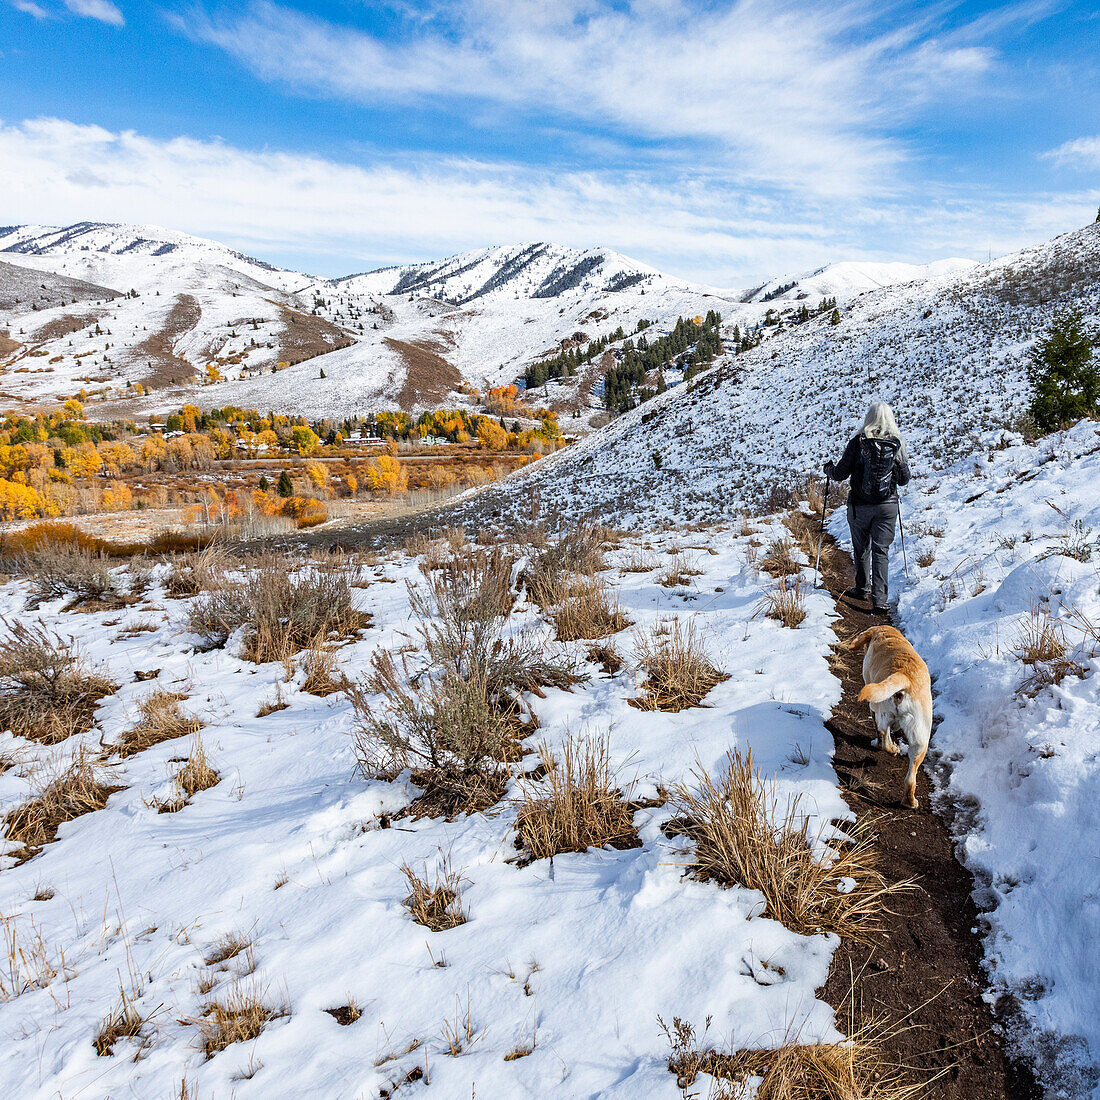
1098 214
285 487
1064 375
835 318
322 372
264 483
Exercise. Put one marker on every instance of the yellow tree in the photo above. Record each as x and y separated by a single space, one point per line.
303 439
386 475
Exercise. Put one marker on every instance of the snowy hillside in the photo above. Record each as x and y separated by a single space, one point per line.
947 353
409 335
1003 604
177 304
24 289
849 278
93 241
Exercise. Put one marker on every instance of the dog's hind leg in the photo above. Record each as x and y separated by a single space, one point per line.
915 758
884 721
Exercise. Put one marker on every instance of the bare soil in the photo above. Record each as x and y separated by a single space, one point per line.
305 336
158 348
428 376
926 971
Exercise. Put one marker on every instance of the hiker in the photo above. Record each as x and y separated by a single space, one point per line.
875 461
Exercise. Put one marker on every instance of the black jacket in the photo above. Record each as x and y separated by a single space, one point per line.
887 475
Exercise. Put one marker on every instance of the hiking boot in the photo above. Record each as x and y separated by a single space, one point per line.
856 594
880 609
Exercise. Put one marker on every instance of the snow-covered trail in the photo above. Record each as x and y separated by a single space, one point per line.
1003 546
924 972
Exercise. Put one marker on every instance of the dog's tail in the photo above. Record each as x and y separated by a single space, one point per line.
877 693
862 641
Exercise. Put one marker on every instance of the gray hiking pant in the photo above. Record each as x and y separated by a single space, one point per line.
872 527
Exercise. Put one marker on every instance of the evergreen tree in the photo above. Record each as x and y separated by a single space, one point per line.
285 488
264 483
835 318
322 372
1064 376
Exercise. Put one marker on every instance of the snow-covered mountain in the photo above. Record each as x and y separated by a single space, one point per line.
948 353
94 241
532 270
849 278
170 304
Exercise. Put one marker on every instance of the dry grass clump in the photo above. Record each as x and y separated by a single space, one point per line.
190 778
678 576
860 1068
56 569
778 560
201 571
226 947
160 720
1039 639
577 803
323 676
588 611
607 657
579 552
640 561
435 904
1041 643
678 672
456 719
46 692
239 1016
124 1022
743 837
81 788
30 961
786 602
926 558
285 609
804 528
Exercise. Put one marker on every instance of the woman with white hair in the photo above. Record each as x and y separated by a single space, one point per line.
875 461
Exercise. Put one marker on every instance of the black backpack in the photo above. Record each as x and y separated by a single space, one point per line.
876 458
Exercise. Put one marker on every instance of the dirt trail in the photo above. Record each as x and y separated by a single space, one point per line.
927 966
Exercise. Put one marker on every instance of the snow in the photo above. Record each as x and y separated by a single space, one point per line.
490 313
948 354
1018 776
849 278
581 953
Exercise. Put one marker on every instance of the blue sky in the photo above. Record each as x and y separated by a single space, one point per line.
722 140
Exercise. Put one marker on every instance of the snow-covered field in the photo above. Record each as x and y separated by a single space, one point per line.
577 956
1017 765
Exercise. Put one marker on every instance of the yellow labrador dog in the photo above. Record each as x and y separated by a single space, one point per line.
899 690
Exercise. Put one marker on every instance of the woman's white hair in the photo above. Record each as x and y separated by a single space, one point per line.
880 423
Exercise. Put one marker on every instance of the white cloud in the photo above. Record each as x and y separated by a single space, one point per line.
337 217
797 96
30 8
1083 152
103 10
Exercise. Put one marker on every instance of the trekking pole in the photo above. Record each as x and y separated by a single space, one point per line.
821 533
901 528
